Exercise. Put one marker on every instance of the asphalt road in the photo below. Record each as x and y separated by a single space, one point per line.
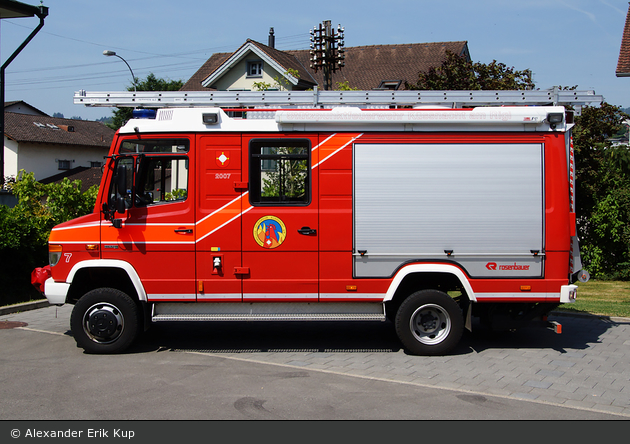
312 371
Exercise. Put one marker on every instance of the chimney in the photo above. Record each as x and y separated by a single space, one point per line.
272 39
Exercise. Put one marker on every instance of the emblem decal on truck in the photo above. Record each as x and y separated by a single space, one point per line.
269 232
223 158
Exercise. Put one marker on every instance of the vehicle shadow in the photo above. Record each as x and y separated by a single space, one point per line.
578 333
270 336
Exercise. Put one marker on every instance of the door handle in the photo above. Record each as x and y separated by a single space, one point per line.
184 230
307 231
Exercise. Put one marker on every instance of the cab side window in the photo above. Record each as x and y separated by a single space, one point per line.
161 179
150 172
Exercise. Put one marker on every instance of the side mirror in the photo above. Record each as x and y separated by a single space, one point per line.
116 203
105 210
120 205
120 180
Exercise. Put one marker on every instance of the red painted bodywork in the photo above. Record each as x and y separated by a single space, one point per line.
179 266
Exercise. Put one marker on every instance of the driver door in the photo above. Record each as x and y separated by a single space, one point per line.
156 235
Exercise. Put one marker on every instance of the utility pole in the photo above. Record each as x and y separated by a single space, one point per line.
327 50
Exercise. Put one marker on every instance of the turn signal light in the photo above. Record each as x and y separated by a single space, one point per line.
54 254
526 288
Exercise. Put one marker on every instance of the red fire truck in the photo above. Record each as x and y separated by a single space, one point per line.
336 207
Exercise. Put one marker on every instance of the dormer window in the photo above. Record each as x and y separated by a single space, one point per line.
255 69
390 84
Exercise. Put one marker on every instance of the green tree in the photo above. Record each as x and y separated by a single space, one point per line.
25 228
345 86
459 73
603 192
151 83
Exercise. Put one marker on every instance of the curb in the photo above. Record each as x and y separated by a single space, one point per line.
26 306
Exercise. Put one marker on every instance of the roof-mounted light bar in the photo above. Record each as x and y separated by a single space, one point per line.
141 113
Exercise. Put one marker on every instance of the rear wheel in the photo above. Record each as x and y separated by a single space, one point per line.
429 322
105 320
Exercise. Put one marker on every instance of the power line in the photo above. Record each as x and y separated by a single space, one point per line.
95 79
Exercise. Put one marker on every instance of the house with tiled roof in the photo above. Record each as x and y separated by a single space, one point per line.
48 145
20 106
623 63
366 67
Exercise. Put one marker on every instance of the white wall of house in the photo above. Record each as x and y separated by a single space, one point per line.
236 78
43 159
10 157
22 108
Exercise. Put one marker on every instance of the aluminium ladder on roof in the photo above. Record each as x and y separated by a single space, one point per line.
329 99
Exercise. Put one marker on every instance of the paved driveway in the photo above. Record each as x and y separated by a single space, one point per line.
584 373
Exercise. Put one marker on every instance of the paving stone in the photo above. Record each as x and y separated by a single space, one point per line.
550 373
538 384
589 368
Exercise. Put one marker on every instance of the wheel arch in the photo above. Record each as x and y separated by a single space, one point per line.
89 275
414 277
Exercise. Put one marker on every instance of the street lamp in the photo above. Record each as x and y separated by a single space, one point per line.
108 53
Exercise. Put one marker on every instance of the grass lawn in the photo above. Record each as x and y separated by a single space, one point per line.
607 298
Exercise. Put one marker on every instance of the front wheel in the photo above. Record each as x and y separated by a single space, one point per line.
105 320
429 322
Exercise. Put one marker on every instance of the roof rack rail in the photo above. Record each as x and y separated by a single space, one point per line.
329 99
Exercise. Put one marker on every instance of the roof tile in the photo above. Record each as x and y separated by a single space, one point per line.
623 64
53 130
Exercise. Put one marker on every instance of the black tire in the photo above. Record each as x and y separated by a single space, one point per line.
105 320
429 322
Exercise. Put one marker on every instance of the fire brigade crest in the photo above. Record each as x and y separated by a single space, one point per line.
269 232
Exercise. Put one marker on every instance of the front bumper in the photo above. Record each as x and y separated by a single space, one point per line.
56 292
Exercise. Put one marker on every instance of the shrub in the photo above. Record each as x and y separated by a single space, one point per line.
24 229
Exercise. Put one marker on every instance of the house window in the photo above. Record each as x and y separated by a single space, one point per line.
95 164
254 69
64 164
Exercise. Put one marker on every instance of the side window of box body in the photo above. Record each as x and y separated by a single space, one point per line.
280 172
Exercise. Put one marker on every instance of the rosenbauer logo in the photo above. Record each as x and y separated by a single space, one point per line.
493 266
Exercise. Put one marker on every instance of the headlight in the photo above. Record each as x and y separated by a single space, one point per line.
54 254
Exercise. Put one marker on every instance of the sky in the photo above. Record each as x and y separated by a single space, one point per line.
564 42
